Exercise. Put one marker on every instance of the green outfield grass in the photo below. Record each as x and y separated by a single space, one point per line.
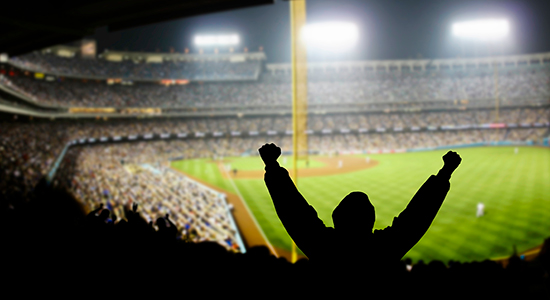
515 189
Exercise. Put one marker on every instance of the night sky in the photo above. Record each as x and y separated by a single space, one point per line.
390 29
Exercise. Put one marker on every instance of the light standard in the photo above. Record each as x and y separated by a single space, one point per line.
486 32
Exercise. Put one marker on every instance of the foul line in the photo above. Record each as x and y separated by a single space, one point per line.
249 212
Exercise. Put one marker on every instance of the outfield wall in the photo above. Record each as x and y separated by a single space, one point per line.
403 150
499 143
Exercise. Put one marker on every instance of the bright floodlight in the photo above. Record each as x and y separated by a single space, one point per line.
216 40
482 30
331 35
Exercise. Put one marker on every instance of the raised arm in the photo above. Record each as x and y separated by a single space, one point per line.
414 221
298 217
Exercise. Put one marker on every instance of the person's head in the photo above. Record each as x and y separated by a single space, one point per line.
161 223
104 214
354 214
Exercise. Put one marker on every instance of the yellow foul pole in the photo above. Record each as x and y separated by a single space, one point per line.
496 92
299 90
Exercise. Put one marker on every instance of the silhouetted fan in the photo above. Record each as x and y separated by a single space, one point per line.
352 245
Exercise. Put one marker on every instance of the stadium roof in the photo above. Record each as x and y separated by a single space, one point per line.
25 27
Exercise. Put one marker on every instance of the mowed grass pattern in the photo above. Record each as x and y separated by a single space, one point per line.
515 189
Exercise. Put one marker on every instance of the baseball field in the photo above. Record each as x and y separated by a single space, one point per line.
513 187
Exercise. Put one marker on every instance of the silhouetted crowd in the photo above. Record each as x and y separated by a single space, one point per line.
52 246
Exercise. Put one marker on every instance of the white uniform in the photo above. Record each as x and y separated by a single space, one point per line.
516 150
368 159
340 164
480 209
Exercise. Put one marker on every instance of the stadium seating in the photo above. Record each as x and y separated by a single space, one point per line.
190 70
517 85
119 176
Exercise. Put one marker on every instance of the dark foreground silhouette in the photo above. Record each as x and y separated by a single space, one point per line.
352 237
50 246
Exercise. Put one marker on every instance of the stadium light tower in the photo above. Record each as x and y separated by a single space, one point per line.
217 40
482 30
488 32
334 36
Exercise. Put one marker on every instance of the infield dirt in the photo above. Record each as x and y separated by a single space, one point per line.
331 167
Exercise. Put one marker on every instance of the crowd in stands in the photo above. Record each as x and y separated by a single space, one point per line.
190 70
123 174
27 152
315 122
517 82
516 86
148 95
402 141
236 146
28 149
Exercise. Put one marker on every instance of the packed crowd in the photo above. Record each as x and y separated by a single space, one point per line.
27 152
330 143
191 70
350 86
315 122
382 142
90 93
204 97
29 149
516 86
123 174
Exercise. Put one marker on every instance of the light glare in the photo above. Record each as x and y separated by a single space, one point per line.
482 30
330 35
216 40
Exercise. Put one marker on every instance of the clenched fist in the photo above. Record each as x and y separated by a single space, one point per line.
451 160
269 153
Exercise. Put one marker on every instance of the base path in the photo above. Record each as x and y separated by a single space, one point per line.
246 225
333 166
